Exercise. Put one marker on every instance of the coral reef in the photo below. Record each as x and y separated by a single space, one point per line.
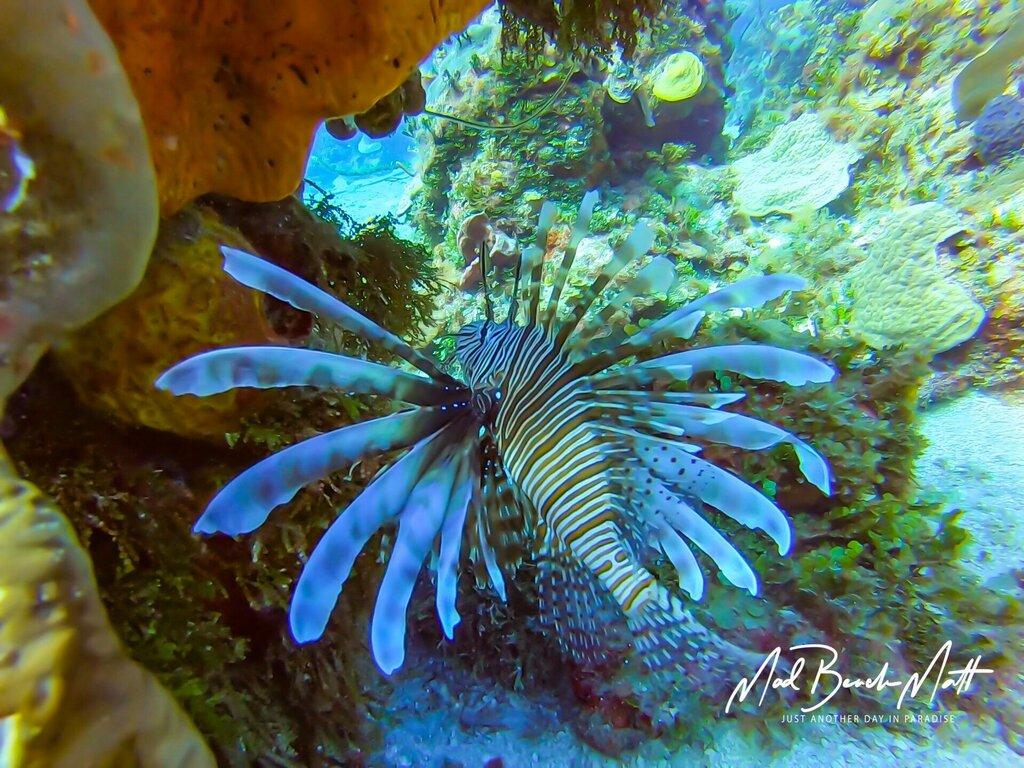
78 221
848 118
78 224
230 99
586 25
999 130
133 495
476 232
900 293
801 168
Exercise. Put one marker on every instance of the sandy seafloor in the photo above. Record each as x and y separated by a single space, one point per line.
975 458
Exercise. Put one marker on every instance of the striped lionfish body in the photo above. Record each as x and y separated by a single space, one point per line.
555 444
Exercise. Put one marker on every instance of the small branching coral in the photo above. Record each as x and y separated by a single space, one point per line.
549 447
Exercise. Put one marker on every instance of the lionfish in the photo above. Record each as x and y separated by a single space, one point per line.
561 443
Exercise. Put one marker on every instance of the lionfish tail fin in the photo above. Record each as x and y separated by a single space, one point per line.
669 639
582 616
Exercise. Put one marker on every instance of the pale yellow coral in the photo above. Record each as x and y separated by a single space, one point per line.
901 294
70 696
801 168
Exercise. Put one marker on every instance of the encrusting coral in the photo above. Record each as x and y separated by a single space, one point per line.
231 94
901 295
75 234
76 230
70 696
802 168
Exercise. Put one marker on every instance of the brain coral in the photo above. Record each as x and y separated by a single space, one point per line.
802 168
901 295
231 91
999 132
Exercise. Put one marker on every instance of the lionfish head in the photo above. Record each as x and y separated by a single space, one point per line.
470 340
475 348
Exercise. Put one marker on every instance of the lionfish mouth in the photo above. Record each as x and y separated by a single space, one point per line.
587 456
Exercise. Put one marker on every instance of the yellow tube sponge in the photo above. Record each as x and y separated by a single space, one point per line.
79 210
681 76
70 696
900 292
802 168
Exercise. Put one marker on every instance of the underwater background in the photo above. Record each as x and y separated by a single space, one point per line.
856 168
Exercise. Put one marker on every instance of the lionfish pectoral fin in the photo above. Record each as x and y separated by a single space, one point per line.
244 504
581 614
210 373
331 561
451 545
501 524
419 523
262 275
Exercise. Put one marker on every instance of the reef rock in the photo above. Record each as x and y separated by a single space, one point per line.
801 169
901 294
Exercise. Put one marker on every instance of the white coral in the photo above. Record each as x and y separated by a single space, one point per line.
802 168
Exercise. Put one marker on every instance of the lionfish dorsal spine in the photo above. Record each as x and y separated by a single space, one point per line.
580 229
548 212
